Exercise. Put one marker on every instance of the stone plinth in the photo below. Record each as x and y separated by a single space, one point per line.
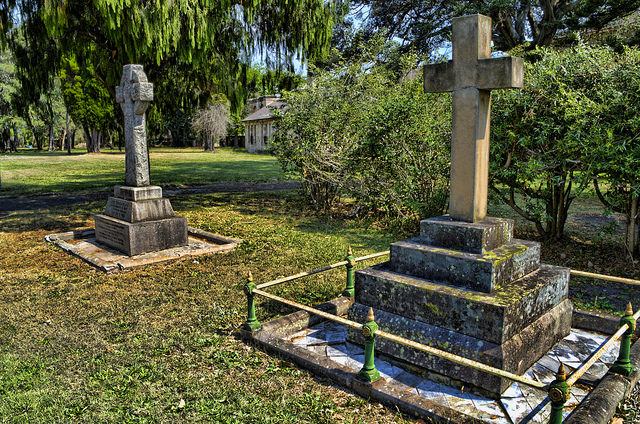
138 220
470 289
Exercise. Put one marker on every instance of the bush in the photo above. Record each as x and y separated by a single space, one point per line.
364 130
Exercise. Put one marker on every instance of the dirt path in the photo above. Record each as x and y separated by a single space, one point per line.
15 204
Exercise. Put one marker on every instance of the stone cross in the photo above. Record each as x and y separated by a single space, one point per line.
471 76
134 94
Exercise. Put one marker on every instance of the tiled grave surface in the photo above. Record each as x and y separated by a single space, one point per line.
519 404
83 244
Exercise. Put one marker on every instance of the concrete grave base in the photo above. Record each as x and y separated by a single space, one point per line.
139 220
83 244
136 238
404 387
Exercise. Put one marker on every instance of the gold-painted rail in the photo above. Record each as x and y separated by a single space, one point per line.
401 340
604 277
318 270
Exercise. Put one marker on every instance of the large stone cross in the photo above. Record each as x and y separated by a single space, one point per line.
470 76
134 94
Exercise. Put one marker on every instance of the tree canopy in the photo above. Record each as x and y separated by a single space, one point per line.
191 49
424 24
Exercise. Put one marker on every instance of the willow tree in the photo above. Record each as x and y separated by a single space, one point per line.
191 49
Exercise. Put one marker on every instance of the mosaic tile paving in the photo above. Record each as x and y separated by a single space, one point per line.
520 404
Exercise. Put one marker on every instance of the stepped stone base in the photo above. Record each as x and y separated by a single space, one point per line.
515 355
477 271
138 220
470 289
494 317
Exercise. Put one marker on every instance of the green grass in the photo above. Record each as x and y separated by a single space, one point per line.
30 172
158 344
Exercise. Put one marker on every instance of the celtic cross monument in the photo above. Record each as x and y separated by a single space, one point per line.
465 284
138 219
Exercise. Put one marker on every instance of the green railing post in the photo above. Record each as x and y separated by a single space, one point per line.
251 323
559 392
623 365
349 290
369 373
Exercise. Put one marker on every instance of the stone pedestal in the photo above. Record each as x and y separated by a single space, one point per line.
138 220
470 289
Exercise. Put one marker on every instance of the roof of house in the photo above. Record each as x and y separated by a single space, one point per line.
266 112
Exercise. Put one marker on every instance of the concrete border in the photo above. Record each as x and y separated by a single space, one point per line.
200 243
597 408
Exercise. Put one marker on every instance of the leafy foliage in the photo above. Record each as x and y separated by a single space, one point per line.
88 102
575 119
360 130
424 24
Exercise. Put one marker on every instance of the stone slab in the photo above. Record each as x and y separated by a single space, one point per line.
515 355
494 317
135 194
471 237
141 210
481 272
141 237
83 244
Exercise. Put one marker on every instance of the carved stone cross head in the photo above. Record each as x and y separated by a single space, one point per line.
470 76
134 95
134 87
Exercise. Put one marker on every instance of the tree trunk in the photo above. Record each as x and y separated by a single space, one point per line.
65 143
73 138
235 140
13 146
631 237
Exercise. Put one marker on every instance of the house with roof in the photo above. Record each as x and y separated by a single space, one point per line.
259 125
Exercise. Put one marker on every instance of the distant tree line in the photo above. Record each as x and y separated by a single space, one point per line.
67 57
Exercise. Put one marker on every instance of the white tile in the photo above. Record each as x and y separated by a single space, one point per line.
489 411
409 380
431 390
356 362
354 349
342 360
386 369
336 336
316 338
337 350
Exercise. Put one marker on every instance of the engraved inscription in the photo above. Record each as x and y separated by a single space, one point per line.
111 233
119 209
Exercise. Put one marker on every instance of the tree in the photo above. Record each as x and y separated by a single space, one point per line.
616 154
191 49
8 121
360 130
425 24
211 123
543 134
87 101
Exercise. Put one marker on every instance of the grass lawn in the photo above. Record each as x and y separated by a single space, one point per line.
30 172
158 344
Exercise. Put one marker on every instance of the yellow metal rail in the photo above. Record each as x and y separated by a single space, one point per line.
318 270
604 277
401 340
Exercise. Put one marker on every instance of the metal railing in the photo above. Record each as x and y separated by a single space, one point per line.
558 390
